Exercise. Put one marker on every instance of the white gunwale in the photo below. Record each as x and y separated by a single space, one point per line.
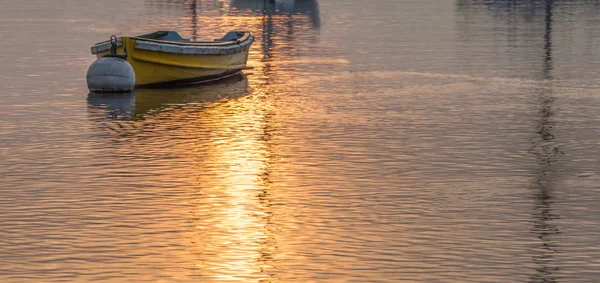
188 48
193 49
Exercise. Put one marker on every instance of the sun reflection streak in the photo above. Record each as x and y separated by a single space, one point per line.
241 154
233 171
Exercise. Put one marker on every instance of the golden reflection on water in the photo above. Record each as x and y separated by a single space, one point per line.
239 158
235 169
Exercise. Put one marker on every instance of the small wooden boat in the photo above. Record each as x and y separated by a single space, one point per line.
164 57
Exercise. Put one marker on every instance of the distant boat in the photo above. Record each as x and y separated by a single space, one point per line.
164 57
279 7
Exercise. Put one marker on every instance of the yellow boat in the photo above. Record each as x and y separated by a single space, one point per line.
164 57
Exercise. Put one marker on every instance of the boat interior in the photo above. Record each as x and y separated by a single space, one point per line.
165 36
175 37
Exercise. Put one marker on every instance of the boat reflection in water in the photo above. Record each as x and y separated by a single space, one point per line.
142 102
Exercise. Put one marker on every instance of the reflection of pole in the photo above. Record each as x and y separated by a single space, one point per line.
267 25
194 20
267 254
267 257
547 74
546 152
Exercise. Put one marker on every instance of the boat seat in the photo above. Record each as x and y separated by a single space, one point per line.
173 36
231 36
166 36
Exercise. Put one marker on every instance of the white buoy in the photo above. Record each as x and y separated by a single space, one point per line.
110 73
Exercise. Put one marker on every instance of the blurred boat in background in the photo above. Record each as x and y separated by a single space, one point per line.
283 7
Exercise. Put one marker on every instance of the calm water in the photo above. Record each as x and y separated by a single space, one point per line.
373 141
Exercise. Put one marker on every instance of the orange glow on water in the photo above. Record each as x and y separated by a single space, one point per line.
233 217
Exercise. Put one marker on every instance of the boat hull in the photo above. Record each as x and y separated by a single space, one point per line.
157 63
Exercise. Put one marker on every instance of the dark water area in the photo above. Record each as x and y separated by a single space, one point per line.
388 141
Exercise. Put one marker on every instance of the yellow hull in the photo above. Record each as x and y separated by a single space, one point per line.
159 67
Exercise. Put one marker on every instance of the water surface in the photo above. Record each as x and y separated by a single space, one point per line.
387 141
